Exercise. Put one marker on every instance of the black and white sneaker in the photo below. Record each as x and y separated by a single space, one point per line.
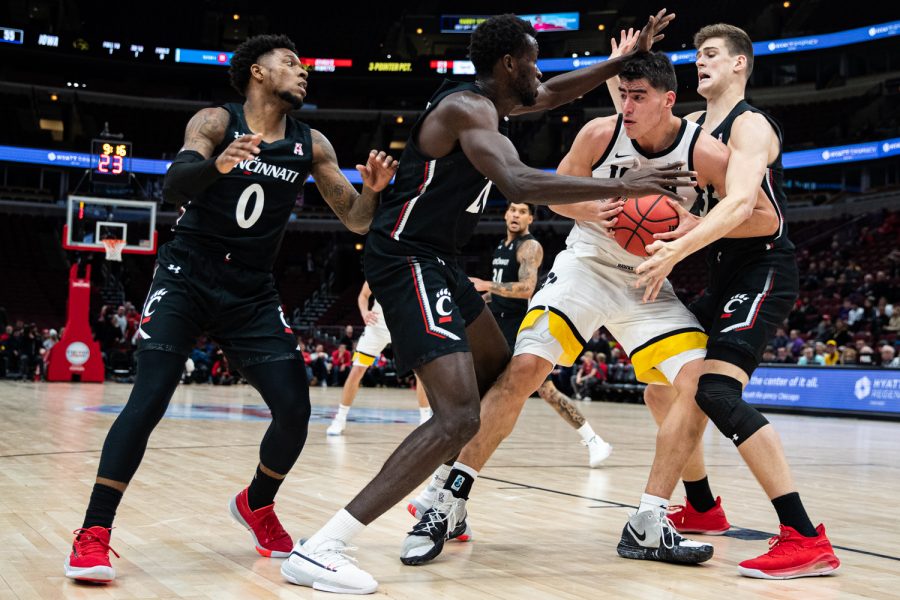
446 519
651 536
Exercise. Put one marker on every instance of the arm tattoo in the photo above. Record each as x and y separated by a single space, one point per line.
333 185
205 131
529 256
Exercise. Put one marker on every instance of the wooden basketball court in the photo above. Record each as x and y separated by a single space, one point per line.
546 526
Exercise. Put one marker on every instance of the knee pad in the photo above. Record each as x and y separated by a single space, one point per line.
719 396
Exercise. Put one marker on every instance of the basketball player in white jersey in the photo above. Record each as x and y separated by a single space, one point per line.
372 341
591 285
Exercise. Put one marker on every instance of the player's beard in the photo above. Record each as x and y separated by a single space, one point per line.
527 94
294 100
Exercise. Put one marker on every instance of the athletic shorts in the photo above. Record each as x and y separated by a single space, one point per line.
428 302
195 291
749 296
372 341
580 295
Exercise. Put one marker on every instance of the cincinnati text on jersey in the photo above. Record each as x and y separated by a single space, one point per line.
260 168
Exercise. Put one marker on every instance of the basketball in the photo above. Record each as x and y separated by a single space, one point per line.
640 219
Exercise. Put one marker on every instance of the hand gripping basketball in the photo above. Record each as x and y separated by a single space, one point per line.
640 219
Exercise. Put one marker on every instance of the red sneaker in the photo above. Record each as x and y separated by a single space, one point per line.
688 520
89 560
792 555
269 537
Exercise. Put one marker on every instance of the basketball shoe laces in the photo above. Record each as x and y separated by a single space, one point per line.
86 543
781 544
271 525
336 551
430 524
668 526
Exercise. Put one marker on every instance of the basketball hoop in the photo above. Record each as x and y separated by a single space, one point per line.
114 248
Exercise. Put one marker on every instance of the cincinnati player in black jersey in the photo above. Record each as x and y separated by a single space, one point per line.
455 152
753 284
239 173
514 269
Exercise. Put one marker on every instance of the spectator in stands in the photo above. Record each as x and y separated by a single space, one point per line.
831 354
341 362
598 343
888 357
585 377
883 312
321 366
307 358
824 330
120 320
810 358
768 355
842 333
562 379
781 340
849 356
617 356
866 356
797 343
221 371
844 310
347 338
783 356
51 340
894 323
855 315
202 358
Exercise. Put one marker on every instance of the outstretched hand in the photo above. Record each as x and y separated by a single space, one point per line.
627 40
378 170
686 222
658 180
650 34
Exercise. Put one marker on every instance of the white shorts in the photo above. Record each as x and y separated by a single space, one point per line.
582 294
373 340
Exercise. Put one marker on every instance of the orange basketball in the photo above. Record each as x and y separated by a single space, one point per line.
640 219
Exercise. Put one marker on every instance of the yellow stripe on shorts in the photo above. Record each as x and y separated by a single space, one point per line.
560 329
363 359
646 357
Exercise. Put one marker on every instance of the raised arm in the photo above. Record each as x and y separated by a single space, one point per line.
473 121
565 88
627 40
354 209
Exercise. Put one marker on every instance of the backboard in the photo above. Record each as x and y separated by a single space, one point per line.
90 220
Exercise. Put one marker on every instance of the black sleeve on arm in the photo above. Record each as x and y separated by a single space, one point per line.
188 176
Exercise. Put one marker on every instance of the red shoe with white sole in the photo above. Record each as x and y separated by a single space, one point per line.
792 555
89 559
269 537
687 519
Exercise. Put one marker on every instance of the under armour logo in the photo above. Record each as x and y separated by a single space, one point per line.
551 278
175 269
734 438
237 134
298 149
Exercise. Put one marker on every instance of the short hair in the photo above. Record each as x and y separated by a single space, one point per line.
529 205
736 40
249 52
498 36
655 67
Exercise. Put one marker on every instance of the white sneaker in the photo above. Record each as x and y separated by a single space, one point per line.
337 427
327 568
599 451
446 519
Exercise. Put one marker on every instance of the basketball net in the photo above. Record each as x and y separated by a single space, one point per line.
114 249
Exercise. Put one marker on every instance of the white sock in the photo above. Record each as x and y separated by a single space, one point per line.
342 526
465 469
586 432
653 503
437 482
342 412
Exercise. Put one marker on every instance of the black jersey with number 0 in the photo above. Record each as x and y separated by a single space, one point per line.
505 269
772 185
243 214
435 203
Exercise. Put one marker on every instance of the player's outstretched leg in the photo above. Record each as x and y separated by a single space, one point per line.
598 449
701 512
158 374
285 390
351 387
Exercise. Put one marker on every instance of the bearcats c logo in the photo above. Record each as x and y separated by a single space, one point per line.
443 306
737 298
149 310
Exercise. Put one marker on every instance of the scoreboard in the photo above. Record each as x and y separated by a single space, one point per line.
111 161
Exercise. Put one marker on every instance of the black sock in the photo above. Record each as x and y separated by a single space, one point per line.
102 507
791 513
699 494
459 483
262 490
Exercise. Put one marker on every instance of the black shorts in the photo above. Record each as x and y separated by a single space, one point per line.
428 302
509 324
194 292
748 298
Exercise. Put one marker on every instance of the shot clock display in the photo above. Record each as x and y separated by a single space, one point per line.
111 161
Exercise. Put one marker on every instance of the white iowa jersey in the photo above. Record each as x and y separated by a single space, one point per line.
623 154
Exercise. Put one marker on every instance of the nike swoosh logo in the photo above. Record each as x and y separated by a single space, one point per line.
622 155
640 536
